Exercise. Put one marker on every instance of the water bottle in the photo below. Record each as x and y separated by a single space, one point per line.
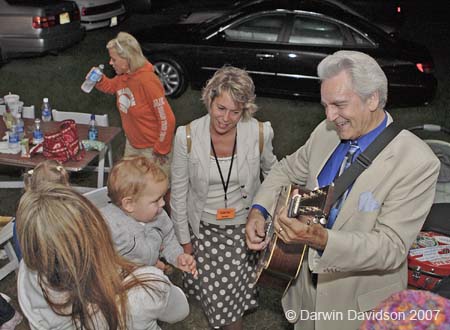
20 126
93 130
13 138
93 77
38 136
46 110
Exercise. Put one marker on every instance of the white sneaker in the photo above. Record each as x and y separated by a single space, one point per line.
11 324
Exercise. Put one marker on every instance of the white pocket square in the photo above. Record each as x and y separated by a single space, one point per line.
367 202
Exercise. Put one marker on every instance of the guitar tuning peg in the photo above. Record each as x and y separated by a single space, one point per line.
323 221
320 220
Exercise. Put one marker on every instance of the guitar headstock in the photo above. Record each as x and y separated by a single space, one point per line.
312 203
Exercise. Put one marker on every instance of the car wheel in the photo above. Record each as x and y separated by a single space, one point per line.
172 76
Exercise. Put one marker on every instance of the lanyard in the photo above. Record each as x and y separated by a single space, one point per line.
225 185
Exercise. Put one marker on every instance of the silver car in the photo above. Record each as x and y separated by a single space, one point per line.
101 13
30 27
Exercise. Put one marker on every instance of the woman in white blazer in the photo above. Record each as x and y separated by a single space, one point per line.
216 168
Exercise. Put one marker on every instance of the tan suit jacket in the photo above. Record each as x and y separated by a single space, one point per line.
365 257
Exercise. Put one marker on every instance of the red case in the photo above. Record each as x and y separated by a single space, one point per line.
428 260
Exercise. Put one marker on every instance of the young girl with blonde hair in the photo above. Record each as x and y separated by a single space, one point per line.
71 277
46 171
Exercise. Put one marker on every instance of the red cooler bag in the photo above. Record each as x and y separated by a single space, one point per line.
428 260
64 144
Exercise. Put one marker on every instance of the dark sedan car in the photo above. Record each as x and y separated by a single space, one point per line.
281 47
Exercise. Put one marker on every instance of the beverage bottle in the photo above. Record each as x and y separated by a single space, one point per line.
13 138
38 136
93 130
46 110
20 126
93 77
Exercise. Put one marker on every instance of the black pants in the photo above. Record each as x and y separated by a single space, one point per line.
6 311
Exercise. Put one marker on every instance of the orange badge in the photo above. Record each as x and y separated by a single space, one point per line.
223 214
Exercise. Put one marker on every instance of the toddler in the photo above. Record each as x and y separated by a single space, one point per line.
46 171
141 229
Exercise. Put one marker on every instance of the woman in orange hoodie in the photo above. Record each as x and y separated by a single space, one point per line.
147 118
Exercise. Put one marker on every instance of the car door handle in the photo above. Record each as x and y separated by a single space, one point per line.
264 56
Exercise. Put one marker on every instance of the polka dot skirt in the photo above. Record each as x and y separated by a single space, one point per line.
224 286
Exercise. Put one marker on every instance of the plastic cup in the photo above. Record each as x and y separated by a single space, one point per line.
11 98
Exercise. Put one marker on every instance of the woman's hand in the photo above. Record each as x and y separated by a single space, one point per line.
255 232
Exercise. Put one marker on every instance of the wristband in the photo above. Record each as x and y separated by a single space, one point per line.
261 209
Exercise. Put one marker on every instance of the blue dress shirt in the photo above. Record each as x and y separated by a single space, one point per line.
331 168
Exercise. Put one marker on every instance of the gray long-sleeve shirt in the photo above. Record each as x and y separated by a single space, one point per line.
142 242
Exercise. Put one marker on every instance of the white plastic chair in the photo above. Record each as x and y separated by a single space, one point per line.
6 236
85 118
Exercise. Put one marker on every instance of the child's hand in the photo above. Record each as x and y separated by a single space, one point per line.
186 263
161 265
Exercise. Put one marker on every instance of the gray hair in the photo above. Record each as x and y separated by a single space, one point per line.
127 47
237 83
366 74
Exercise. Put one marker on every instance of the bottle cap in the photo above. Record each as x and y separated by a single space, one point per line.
101 66
45 99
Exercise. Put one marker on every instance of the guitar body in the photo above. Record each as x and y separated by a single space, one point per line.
283 265
279 263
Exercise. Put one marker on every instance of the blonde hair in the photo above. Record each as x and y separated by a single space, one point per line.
237 83
127 47
46 171
67 242
126 177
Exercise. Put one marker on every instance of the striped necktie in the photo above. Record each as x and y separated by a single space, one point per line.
349 158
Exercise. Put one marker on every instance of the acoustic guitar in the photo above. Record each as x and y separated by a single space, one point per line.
279 263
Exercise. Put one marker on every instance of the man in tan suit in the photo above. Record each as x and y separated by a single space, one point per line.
359 259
